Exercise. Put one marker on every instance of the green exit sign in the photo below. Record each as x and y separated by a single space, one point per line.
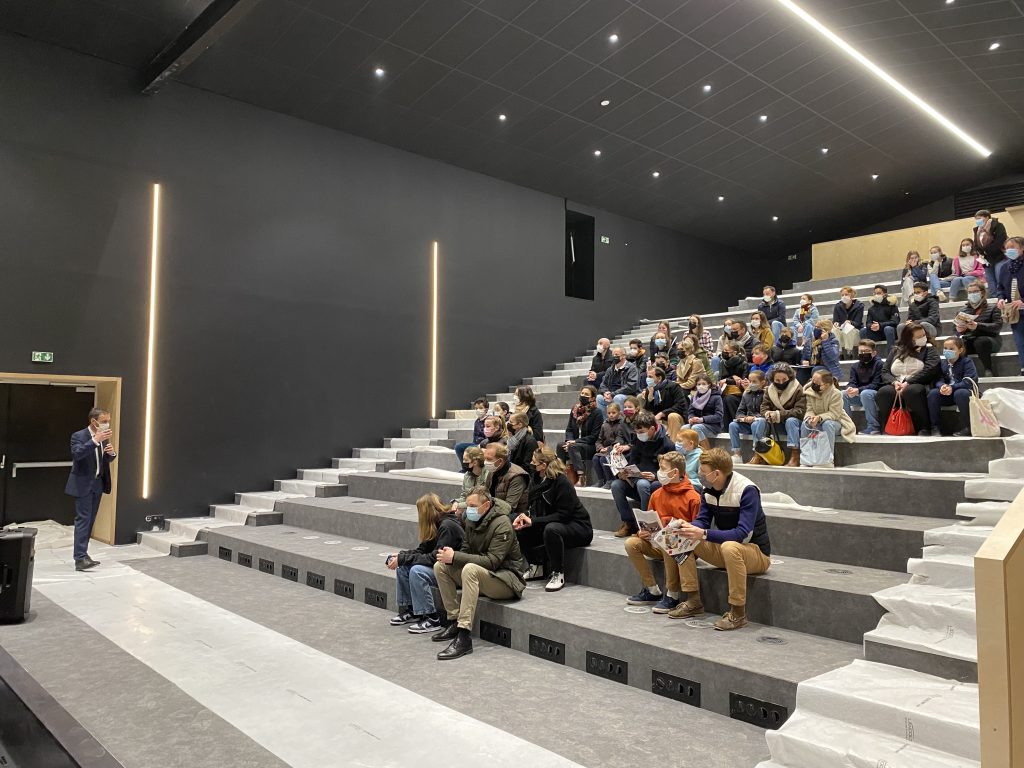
605 239
42 357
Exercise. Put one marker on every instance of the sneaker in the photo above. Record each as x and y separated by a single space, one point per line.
936 432
405 616
643 597
965 432
665 605
535 572
556 582
607 486
688 610
730 621
941 296
737 457
870 432
426 624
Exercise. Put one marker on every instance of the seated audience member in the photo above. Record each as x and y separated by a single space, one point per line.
704 340
689 366
732 532
923 309
728 334
910 370
620 381
602 359
825 410
676 499
761 329
883 317
989 241
706 415
979 324
749 410
630 408
476 473
521 442
1011 289
913 272
940 272
848 319
785 349
508 483
743 338
557 519
637 355
823 351
414 568
661 361
688 445
488 563
501 409
647 443
525 402
804 320
953 387
700 353
669 346
759 358
784 404
581 434
665 399
967 268
773 309
733 377
480 405
613 432
495 431
865 381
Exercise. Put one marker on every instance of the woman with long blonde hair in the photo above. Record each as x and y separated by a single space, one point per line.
414 568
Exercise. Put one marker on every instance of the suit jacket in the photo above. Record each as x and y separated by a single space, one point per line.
83 468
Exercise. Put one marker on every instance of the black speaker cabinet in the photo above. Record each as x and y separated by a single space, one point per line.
17 559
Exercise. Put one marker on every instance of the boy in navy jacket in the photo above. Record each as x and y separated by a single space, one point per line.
865 381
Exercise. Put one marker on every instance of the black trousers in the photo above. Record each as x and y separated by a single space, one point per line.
555 539
983 347
579 455
915 397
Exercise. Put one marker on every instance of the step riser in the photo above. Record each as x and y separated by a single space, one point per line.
717 680
928 663
873 278
321 490
369 465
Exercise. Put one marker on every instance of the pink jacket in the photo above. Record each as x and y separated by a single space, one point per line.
976 271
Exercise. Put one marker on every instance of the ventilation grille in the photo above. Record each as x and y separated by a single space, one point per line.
966 204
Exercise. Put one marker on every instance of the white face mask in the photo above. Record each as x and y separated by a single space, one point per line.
103 426
480 412
974 299
768 298
515 400
878 299
847 300
702 388
489 465
920 341
936 256
755 323
965 250
665 479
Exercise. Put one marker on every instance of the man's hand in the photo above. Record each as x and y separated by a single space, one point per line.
393 562
644 534
608 397
620 448
875 326
852 391
592 376
945 389
523 521
691 532
109 450
446 555
649 476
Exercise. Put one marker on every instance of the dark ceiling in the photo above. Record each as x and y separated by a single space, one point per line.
451 67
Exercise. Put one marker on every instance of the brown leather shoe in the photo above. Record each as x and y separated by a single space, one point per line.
757 459
734 619
692 607
794 458
623 532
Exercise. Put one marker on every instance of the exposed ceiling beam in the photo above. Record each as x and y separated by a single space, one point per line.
208 27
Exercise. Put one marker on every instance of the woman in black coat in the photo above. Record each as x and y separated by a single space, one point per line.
557 518
524 401
910 371
581 435
521 442
979 324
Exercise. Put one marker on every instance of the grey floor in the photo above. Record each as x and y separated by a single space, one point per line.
145 720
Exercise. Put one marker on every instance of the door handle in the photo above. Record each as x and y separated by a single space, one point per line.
3 461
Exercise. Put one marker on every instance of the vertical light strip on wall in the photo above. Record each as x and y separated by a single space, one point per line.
151 349
433 341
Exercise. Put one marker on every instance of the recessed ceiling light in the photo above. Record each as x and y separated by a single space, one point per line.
605 102
950 2
775 218
721 199
993 46
763 118
597 153
707 89
378 72
656 174
885 77
824 150
503 117
874 177
613 38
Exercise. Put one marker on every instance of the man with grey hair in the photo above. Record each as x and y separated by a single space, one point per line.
488 563
602 361
89 479
620 381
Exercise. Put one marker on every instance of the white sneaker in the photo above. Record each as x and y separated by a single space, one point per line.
556 582
737 458
941 296
535 572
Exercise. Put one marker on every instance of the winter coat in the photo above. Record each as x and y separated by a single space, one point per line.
828 404
591 427
668 397
987 316
867 376
750 404
788 354
929 355
713 413
774 311
510 484
624 381
927 310
959 375
614 433
491 542
687 370
808 317
645 454
449 534
886 313
824 355
854 313
554 500
790 402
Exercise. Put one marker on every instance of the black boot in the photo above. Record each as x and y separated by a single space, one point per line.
450 631
460 646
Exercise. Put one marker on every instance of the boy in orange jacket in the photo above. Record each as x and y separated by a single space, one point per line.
676 499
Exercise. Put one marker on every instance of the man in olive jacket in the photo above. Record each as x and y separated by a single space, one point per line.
489 562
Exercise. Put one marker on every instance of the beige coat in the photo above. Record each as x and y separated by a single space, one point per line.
829 405
687 371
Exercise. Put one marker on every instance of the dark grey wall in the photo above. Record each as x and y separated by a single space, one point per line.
293 303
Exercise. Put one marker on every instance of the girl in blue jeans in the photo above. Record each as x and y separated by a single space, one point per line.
414 568
784 404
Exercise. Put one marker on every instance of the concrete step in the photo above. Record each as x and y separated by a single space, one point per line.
871 539
384 454
425 432
804 595
310 488
239 514
869 278
264 500
759 662
171 544
407 442
367 463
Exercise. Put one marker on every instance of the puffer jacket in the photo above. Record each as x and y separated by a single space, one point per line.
449 534
828 404
491 543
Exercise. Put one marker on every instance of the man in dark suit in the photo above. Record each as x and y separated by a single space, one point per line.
91 454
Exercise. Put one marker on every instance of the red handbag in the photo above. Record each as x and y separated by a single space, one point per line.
899 422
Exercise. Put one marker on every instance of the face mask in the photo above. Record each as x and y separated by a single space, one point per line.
473 514
816 386
804 303
731 334
878 298
665 479
631 355
784 340
489 465
758 359
515 400
768 298
512 429
480 412
489 431
781 385
936 256
693 326
659 343
584 399
919 297
643 437
949 354
847 300
974 299
965 250
865 357
755 323
702 388
650 381
102 426
920 342
979 223
753 387
629 412
1012 254
818 333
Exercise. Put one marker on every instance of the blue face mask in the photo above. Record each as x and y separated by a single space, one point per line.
979 223
473 514
659 343
650 381
1012 254
949 354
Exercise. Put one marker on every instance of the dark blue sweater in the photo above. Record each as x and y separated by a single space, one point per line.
958 374
867 376
854 313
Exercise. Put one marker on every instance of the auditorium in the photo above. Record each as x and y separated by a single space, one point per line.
521 372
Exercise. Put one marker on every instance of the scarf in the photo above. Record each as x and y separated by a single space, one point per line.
515 439
698 400
778 398
581 413
983 236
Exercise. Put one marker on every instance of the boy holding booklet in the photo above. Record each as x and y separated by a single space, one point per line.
677 500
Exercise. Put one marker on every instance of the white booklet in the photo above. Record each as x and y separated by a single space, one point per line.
666 538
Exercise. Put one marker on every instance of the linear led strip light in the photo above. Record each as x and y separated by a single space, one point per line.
433 339
885 77
153 263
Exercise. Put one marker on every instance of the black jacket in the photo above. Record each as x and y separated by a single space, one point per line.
929 355
614 433
645 455
989 320
555 501
789 354
668 398
601 362
621 382
522 455
854 313
927 310
449 534
750 404
591 427
774 311
943 268
884 314
994 250
736 365
536 421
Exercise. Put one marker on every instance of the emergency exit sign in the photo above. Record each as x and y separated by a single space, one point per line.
42 357
605 239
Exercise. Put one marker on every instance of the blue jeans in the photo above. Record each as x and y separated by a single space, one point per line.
938 284
992 276
961 398
1018 340
716 361
777 328
958 284
705 432
602 406
602 472
623 491
760 428
865 398
415 584
888 331
828 426
85 516
736 429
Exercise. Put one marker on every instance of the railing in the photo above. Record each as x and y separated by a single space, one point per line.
999 590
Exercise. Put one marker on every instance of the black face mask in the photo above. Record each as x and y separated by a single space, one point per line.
865 357
781 386
693 326
816 386
584 400
784 340
731 334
